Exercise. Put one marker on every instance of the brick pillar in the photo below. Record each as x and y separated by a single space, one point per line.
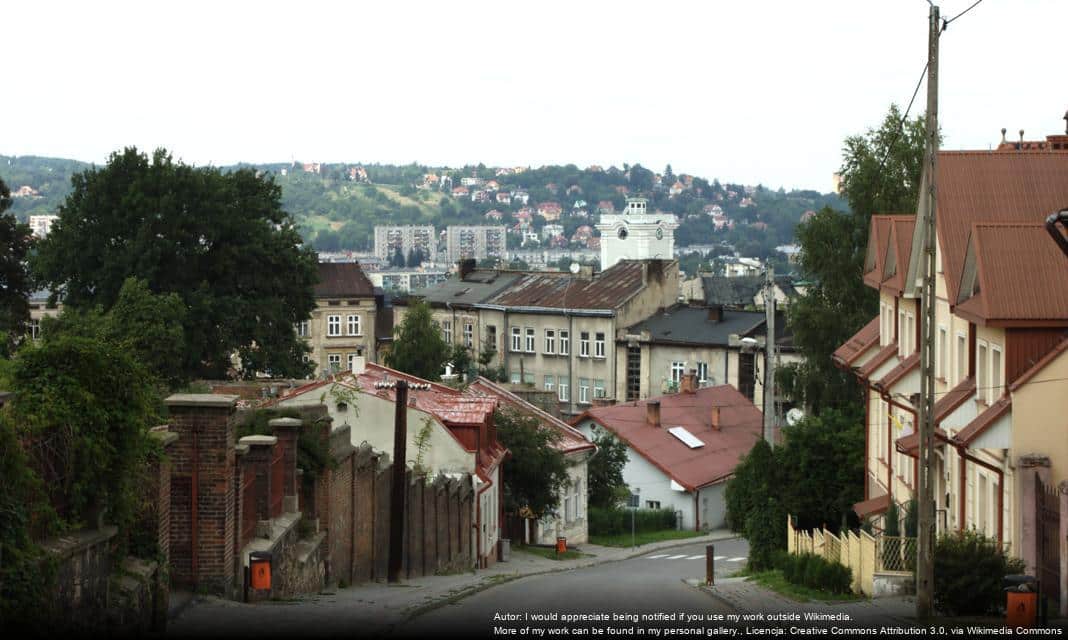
287 430
258 458
1030 467
202 556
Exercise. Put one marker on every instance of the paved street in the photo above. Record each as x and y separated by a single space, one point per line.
648 584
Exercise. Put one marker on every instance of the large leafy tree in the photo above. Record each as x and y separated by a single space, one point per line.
605 471
880 174
15 241
220 241
536 471
418 348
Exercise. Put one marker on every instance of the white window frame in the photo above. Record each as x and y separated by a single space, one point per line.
550 342
333 362
943 352
702 372
446 331
302 329
678 369
35 328
565 342
333 326
995 373
598 388
469 334
584 391
531 339
549 382
982 375
584 344
598 344
962 357
910 326
354 324
517 339
351 359
563 387
514 377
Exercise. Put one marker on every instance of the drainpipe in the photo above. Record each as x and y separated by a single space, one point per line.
696 510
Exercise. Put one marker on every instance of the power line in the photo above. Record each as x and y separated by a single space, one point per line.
900 126
945 23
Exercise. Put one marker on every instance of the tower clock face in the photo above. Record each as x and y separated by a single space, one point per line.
622 233
659 234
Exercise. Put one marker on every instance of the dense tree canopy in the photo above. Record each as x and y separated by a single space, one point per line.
418 348
536 471
15 287
834 244
605 471
220 241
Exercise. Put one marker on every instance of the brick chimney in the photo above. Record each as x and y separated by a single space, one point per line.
688 384
715 313
715 419
652 413
467 265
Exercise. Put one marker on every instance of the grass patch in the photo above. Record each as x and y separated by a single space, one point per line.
625 540
774 581
550 553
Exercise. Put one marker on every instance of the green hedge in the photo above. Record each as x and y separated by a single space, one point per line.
610 522
814 572
968 569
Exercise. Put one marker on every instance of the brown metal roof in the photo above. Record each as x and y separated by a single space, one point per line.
878 235
1026 376
877 360
984 420
875 505
954 398
343 280
900 242
983 186
741 425
910 444
606 290
570 439
860 342
895 375
1021 274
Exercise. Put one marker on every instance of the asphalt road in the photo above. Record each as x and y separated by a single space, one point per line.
647 592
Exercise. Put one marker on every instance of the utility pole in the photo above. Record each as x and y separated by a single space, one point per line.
771 422
926 532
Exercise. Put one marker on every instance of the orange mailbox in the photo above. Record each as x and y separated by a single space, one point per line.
1020 609
561 545
259 563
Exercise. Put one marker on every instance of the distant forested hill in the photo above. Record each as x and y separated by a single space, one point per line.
338 205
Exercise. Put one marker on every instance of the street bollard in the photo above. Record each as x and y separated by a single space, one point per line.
710 565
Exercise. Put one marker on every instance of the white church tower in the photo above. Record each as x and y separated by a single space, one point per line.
636 234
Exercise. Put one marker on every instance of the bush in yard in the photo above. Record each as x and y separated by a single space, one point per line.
765 529
968 569
815 572
610 522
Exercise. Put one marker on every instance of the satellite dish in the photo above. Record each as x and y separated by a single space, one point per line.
749 341
793 416
575 267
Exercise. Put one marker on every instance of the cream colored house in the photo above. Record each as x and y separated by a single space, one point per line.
342 326
1001 317
555 331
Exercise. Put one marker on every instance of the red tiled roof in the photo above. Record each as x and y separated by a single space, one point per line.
570 439
1026 376
954 398
860 342
741 427
984 420
872 506
606 290
895 375
877 360
983 186
1021 274
342 280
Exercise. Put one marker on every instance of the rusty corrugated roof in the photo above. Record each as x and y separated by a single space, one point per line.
606 290
860 342
984 186
1022 274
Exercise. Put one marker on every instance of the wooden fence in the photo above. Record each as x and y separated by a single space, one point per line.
863 553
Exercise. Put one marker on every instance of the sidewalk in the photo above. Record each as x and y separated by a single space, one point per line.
377 607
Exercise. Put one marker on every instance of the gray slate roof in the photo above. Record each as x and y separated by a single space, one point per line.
690 325
478 286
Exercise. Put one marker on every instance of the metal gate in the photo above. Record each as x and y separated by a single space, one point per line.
1048 517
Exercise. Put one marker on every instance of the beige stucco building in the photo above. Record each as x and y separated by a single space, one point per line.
342 327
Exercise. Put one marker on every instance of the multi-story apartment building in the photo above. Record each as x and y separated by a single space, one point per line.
405 280
1000 352
388 239
343 325
555 331
477 242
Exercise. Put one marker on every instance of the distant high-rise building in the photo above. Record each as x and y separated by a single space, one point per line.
476 242
406 238
42 225
636 234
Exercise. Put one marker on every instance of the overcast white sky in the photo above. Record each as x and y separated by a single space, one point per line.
754 91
